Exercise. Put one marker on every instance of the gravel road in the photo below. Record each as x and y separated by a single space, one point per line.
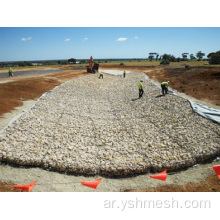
24 73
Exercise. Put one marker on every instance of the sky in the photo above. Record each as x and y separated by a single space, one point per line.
40 30
48 43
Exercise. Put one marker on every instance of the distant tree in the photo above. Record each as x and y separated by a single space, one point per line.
21 64
72 60
29 64
192 57
211 54
169 57
184 55
83 61
178 59
200 55
172 58
214 58
64 62
166 57
157 55
151 56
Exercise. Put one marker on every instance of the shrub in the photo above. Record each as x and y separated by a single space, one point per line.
165 62
215 59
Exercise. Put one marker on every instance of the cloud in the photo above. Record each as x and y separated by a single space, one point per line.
26 39
85 38
136 37
67 39
121 39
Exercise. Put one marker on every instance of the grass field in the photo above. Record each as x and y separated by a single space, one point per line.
156 63
153 63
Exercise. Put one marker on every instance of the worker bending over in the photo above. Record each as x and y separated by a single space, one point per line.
164 87
140 86
101 75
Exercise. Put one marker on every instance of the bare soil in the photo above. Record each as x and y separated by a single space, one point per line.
8 187
202 83
13 91
210 184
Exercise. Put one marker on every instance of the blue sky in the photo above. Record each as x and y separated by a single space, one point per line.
35 43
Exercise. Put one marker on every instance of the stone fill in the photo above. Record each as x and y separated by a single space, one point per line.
99 127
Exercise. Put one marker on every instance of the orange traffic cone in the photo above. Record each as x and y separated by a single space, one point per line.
27 188
161 176
93 184
216 168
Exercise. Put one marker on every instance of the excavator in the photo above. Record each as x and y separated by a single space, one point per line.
93 67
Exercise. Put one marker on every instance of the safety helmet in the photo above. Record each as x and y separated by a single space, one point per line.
141 80
168 81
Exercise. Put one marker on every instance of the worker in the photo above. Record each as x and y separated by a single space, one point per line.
101 75
164 87
10 72
124 74
140 86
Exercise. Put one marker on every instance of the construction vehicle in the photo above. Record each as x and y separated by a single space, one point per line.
93 67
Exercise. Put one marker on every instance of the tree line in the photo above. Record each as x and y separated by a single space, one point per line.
213 58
